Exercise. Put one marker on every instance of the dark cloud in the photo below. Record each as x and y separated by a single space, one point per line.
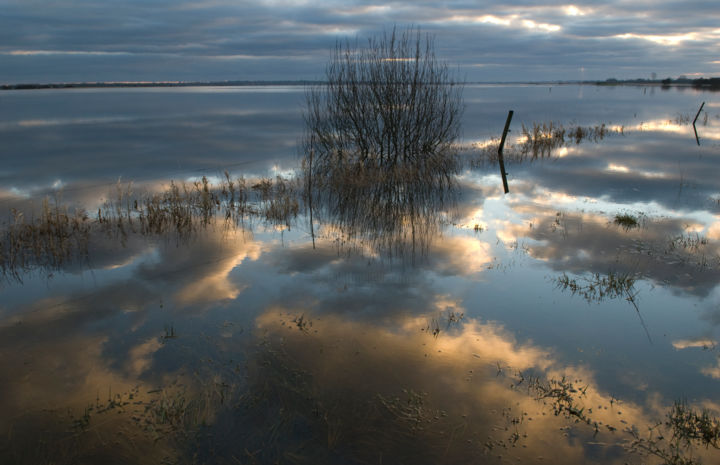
159 40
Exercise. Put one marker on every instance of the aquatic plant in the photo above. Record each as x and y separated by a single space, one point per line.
539 141
599 287
626 220
61 235
56 237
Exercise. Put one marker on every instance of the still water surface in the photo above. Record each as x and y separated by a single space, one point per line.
251 344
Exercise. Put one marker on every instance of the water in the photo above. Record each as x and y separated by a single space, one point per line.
250 345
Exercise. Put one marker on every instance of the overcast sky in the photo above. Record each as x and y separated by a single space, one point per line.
518 40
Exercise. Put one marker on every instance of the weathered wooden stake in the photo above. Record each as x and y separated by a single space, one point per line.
310 192
500 151
697 139
698 113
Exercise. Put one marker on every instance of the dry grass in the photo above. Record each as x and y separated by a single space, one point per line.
60 235
56 237
539 141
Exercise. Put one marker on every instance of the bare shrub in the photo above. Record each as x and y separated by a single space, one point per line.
379 143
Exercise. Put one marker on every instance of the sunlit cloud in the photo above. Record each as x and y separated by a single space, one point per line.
572 10
618 168
693 343
512 21
530 24
482 19
667 40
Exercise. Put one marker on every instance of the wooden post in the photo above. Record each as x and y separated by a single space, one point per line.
310 192
698 113
500 151
697 139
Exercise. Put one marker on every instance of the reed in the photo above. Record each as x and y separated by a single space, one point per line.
626 220
60 235
539 141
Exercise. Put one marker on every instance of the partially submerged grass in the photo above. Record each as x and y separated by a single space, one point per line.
675 440
55 238
599 287
59 235
687 249
185 208
626 220
395 207
279 200
541 141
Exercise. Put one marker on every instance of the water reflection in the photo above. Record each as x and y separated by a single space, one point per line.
444 399
393 210
343 375
662 250
235 339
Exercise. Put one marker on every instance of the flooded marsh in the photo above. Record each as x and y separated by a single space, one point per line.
176 290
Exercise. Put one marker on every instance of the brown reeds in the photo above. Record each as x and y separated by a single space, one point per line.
60 235
539 141
57 236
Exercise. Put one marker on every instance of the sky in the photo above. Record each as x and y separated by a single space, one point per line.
44 41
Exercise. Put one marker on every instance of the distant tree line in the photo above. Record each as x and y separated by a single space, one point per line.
712 83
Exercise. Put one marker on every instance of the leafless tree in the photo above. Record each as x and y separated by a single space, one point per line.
379 143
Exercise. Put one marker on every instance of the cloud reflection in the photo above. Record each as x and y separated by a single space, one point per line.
463 374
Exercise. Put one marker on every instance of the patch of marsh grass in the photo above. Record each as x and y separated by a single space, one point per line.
540 141
57 236
60 235
626 220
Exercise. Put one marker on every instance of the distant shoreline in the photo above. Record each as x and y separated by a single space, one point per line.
102 85
139 84
702 84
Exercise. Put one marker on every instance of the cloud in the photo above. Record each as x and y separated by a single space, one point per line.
464 376
118 40
200 274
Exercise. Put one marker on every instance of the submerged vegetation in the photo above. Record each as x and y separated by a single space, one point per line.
539 141
600 287
50 240
61 236
626 220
